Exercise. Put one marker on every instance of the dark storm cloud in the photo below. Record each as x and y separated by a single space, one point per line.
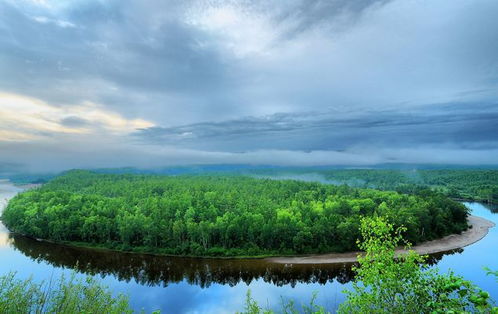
128 45
298 81
307 14
468 126
112 52
148 59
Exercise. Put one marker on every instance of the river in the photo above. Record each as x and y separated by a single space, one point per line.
189 285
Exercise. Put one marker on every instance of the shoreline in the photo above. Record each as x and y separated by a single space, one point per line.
479 229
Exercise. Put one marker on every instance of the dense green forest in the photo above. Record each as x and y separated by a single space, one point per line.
466 183
470 184
219 215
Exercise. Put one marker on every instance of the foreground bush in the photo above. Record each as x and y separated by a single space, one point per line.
64 296
390 284
386 283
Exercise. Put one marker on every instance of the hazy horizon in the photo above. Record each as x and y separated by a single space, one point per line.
101 84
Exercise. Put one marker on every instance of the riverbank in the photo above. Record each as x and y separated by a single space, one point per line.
479 229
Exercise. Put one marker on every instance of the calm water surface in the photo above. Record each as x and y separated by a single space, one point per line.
186 285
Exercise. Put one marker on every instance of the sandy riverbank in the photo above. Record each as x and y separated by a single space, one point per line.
479 230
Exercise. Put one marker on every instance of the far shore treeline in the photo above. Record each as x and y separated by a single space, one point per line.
464 183
467 184
220 215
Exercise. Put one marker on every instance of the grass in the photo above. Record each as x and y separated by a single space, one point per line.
64 296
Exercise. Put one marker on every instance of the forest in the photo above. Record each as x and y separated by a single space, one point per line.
220 215
468 184
458 183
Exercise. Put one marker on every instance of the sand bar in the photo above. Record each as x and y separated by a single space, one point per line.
479 230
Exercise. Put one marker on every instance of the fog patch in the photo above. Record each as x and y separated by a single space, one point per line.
311 177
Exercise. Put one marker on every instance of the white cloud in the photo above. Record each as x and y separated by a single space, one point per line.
236 28
104 152
24 118
60 23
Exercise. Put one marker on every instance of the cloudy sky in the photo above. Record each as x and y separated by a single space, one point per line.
111 83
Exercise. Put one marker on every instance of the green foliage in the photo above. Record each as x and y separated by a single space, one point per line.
219 215
386 283
287 307
492 273
63 296
252 307
470 184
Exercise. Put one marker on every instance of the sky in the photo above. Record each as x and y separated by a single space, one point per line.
114 83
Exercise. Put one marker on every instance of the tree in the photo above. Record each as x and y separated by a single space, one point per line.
218 215
386 283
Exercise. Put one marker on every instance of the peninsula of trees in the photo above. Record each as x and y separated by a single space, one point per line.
220 215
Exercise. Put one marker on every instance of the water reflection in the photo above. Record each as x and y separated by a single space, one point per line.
187 280
159 270
5 240
492 208
153 270
435 258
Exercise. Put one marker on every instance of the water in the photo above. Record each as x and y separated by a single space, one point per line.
187 285
469 263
